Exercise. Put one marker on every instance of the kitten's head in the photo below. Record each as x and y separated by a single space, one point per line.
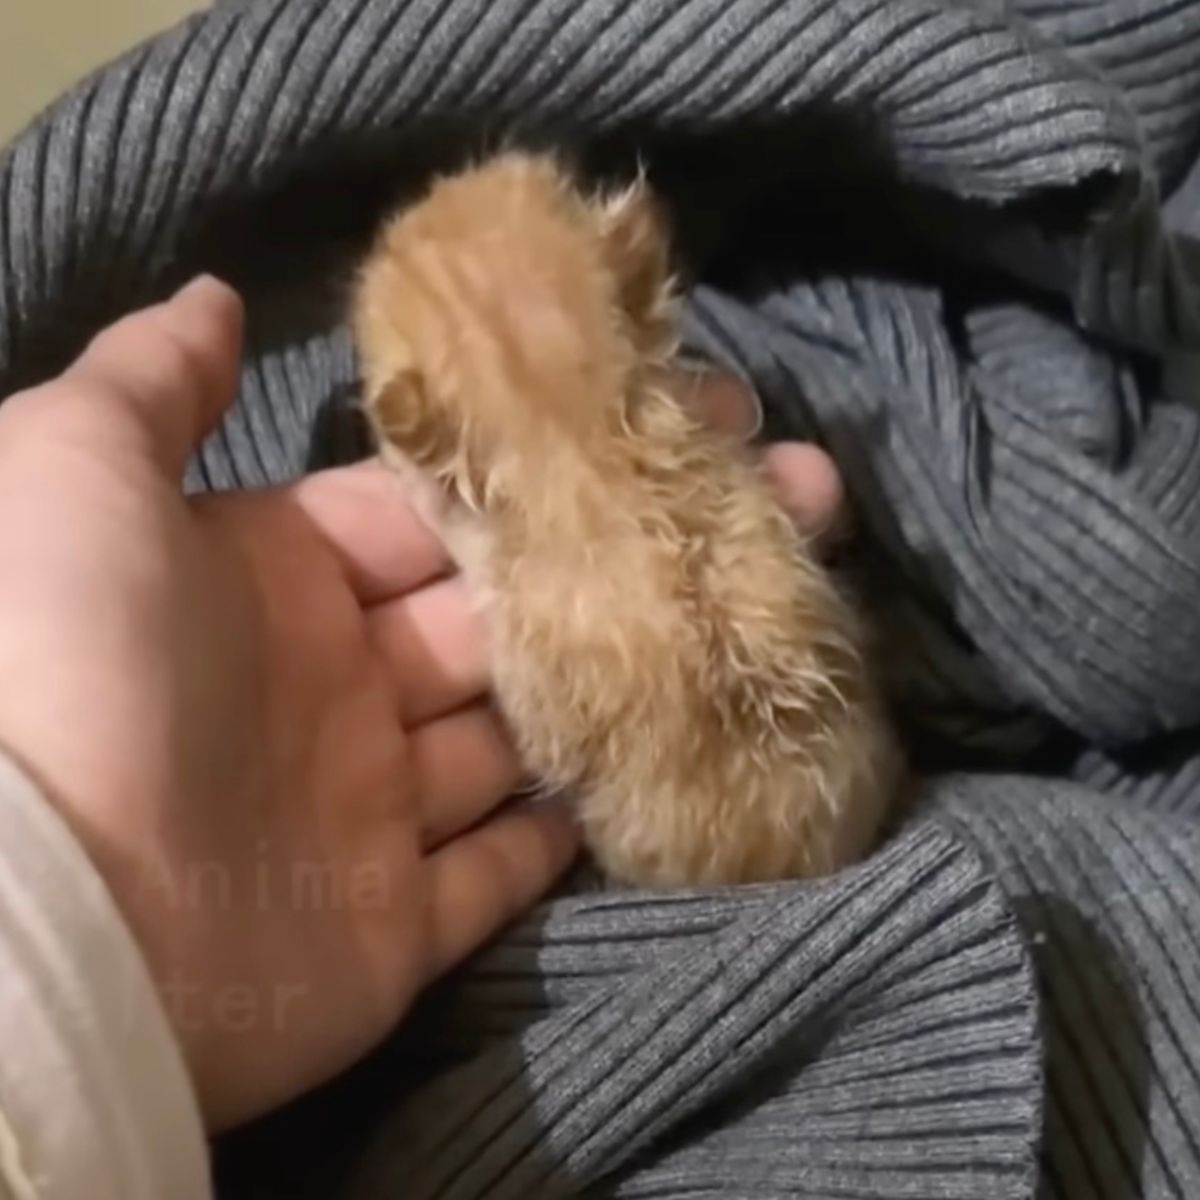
508 316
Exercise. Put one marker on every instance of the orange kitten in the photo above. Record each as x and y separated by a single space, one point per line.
664 647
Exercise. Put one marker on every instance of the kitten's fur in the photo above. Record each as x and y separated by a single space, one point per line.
664 646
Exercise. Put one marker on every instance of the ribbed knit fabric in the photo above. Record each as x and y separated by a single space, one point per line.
875 1025
953 241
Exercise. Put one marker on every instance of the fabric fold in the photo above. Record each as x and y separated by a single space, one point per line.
1109 896
876 1034
932 234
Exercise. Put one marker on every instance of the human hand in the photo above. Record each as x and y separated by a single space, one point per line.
262 714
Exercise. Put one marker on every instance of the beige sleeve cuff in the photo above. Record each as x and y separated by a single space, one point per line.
95 1099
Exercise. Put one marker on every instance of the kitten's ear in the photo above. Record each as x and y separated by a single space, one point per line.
402 416
636 246
406 415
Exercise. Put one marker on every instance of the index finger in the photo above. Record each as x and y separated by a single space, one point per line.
364 514
722 401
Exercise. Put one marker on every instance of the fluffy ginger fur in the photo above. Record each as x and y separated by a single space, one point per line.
664 647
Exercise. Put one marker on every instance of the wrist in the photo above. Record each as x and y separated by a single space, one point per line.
93 1085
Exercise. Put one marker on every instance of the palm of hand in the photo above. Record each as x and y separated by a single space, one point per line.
265 722
263 715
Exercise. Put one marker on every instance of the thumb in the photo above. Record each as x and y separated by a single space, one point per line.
170 371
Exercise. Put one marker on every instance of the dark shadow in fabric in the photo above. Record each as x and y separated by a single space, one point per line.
339 434
1095 1034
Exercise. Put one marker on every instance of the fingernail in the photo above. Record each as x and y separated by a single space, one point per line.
759 418
701 369
205 285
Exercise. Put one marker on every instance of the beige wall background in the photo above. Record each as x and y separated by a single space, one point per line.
46 45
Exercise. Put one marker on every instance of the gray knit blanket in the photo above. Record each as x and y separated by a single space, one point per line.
949 239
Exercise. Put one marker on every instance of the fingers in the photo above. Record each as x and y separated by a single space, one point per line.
464 766
722 401
432 640
388 552
805 478
480 882
433 645
809 486
363 513
171 371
